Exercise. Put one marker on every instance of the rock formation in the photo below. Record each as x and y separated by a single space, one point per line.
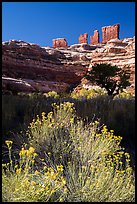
110 32
83 38
30 68
94 39
59 42
117 52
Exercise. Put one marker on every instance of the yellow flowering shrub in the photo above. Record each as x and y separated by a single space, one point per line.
81 162
53 130
102 172
53 94
25 184
125 94
84 93
93 92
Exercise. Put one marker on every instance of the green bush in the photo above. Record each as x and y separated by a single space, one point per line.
96 168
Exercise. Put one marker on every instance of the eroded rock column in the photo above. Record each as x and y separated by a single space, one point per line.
110 32
83 38
94 39
59 42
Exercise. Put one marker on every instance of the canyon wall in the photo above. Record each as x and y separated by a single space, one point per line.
117 52
28 67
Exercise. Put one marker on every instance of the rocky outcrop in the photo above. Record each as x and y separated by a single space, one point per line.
117 52
59 42
94 39
83 38
30 68
29 85
110 32
37 69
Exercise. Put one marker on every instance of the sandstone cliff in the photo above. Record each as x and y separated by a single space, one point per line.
117 52
30 68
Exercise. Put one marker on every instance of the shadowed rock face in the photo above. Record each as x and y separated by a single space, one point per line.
30 68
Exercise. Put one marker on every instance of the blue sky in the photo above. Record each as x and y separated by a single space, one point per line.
40 22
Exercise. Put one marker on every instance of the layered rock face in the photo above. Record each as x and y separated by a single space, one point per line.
117 52
30 68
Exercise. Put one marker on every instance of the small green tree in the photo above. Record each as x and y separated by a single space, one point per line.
110 77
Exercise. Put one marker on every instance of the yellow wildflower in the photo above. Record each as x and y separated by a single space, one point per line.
9 143
31 150
60 168
127 155
61 199
18 171
16 166
46 188
33 183
63 181
65 190
45 168
33 161
37 172
35 154
22 152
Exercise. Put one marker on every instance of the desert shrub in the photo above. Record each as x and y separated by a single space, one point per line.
117 114
125 94
51 133
96 91
101 173
53 94
18 111
84 93
22 182
96 168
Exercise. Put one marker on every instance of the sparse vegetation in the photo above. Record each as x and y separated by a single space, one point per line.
18 111
88 93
